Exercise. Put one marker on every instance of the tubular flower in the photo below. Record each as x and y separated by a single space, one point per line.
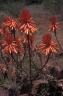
9 45
24 40
48 46
1 31
11 23
53 20
25 16
19 47
27 25
3 68
54 24
4 31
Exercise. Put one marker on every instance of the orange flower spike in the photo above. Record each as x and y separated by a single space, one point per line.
19 47
54 24
9 22
9 45
6 22
25 16
1 31
47 38
27 25
24 41
53 20
48 46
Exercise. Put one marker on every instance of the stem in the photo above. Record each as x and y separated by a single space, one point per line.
39 71
58 41
22 60
46 61
3 56
41 60
17 62
30 64
13 33
40 57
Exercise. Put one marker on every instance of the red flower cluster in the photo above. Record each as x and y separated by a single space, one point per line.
1 31
10 22
54 24
25 16
27 26
10 45
48 46
10 26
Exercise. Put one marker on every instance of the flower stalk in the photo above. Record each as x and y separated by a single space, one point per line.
29 51
46 61
58 41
